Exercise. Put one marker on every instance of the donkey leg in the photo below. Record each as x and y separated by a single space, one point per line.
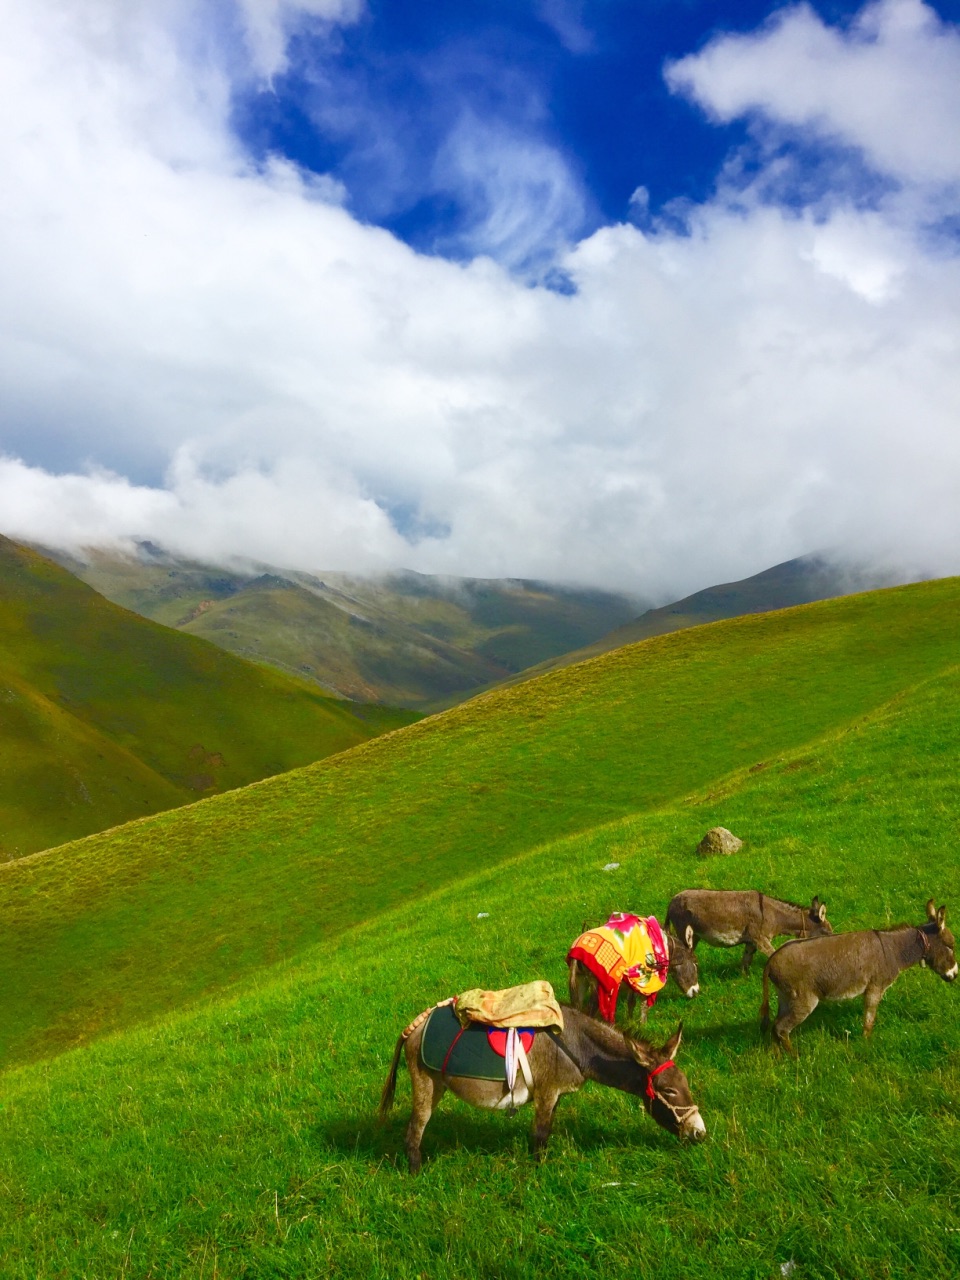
790 1015
871 1002
749 951
545 1103
427 1092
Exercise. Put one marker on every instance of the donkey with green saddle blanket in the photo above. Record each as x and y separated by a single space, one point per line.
560 1061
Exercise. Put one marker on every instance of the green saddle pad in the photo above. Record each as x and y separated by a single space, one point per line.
472 1055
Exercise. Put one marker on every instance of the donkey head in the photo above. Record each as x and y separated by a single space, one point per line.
683 962
817 922
941 954
665 1092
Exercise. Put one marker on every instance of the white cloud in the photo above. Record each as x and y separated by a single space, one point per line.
280 377
525 204
889 85
268 24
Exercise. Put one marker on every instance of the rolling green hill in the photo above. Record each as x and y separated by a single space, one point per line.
403 638
804 580
134 922
105 717
237 1138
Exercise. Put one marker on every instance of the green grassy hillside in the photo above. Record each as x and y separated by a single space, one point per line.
801 581
404 638
134 922
105 716
238 1139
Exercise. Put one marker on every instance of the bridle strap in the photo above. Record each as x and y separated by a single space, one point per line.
651 1092
925 942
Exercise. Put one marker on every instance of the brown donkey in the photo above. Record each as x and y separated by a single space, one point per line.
852 964
560 1062
731 917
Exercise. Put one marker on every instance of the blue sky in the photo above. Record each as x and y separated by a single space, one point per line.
630 292
576 89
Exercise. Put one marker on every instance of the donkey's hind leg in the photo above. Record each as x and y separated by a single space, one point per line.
427 1089
790 1014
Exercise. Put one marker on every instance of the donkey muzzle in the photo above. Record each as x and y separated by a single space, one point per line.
694 1130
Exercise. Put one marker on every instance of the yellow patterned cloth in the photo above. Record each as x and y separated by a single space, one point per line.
623 950
532 1004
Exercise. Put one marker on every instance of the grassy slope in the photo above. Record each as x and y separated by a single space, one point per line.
105 716
801 581
405 639
95 935
238 1139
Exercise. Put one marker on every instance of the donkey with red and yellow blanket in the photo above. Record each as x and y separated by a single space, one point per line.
630 949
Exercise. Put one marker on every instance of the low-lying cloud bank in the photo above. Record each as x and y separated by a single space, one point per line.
223 360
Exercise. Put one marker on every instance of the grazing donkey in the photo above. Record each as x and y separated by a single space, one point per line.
560 1062
729 917
585 993
852 964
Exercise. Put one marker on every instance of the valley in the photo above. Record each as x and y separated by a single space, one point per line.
199 1007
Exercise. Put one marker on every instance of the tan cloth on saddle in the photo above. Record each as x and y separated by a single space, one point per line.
532 1004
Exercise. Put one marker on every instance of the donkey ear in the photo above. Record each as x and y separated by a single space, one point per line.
815 904
931 910
688 935
643 1053
673 1044
822 912
941 916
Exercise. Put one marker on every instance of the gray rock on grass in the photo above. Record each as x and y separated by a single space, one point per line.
718 840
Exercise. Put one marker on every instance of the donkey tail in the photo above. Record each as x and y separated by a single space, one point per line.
390 1084
765 1005
574 969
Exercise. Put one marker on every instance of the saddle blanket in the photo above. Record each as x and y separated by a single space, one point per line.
532 1004
476 1051
625 949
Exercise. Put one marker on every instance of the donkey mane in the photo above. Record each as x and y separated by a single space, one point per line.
606 1037
785 902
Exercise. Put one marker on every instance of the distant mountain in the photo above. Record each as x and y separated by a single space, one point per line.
404 639
800 581
105 716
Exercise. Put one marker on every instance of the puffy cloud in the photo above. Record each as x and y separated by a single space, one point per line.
222 359
888 84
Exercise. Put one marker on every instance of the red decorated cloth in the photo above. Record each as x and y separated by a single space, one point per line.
627 948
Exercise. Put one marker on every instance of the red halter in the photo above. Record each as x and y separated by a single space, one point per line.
651 1092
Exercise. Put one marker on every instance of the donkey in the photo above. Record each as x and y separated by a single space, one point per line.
852 964
560 1062
729 917
584 988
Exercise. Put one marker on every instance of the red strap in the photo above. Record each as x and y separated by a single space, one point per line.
651 1093
453 1045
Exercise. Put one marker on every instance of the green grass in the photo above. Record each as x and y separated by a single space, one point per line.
237 1139
131 923
105 716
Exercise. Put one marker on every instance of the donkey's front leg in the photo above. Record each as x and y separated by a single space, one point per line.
545 1103
749 951
871 1002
